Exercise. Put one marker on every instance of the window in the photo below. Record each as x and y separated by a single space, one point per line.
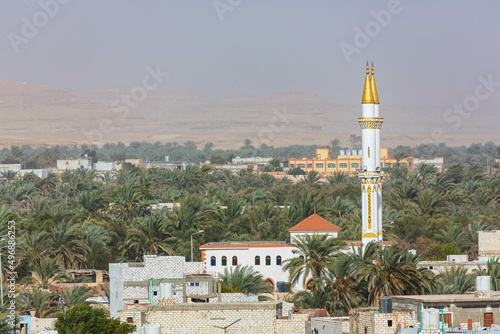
213 261
320 165
389 323
268 260
301 166
224 261
194 283
387 165
235 261
330 165
405 164
431 267
342 165
355 166
257 260
309 165
278 260
155 293
292 165
130 320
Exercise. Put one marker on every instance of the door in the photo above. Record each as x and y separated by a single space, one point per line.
488 319
446 319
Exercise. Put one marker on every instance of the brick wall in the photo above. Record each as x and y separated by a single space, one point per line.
282 326
489 243
197 318
41 324
381 323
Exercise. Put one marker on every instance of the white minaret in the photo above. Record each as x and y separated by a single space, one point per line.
371 174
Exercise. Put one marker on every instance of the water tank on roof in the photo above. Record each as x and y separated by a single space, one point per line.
385 305
151 329
430 319
483 283
165 290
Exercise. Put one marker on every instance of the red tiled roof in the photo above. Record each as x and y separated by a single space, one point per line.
244 245
315 223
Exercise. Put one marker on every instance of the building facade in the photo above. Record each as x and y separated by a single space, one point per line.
265 257
347 163
73 164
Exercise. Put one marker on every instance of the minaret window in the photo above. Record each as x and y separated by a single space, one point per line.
278 260
224 261
268 260
235 261
257 260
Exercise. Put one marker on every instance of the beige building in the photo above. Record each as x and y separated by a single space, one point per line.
488 244
209 318
73 164
371 321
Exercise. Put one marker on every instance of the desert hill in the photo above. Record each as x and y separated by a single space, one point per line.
40 115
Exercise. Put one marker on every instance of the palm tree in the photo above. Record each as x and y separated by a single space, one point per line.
337 177
39 300
96 239
70 297
394 272
492 270
341 286
91 202
9 175
149 236
45 273
66 245
245 280
314 255
399 155
33 246
454 280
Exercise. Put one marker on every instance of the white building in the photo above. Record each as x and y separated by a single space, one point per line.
104 166
266 257
41 173
73 164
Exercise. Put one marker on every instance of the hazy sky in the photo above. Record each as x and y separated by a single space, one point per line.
426 52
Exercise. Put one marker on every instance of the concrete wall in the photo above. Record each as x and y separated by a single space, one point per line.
327 326
41 324
197 318
104 166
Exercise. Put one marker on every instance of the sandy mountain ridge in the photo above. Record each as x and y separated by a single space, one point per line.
40 115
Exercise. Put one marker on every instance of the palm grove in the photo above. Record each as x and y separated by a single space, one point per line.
83 219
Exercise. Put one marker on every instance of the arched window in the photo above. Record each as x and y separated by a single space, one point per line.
257 260
278 260
235 261
213 261
224 261
268 260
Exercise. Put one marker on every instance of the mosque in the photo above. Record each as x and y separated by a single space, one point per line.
267 257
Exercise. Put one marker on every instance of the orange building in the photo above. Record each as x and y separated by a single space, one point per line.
324 164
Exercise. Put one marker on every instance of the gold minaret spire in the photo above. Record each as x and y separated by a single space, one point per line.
367 92
374 88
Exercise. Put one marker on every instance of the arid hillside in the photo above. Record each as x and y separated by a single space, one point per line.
39 115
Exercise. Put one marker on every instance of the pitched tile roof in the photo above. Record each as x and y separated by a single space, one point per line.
314 223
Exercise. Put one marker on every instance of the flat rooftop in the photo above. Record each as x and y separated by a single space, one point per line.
465 298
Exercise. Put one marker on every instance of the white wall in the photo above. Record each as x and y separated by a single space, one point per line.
246 256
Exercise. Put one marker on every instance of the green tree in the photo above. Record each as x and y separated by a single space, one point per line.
84 319
314 254
244 280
